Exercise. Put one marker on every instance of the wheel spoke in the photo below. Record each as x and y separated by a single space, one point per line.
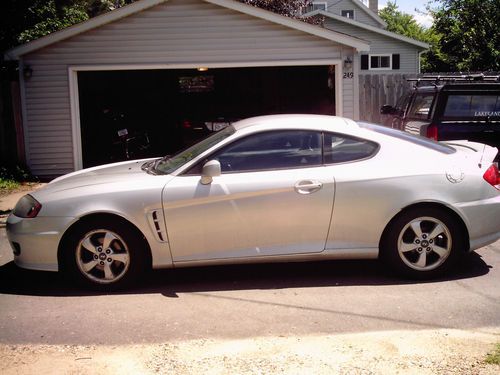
405 247
441 251
123 258
422 260
89 246
438 229
415 226
87 267
108 273
108 238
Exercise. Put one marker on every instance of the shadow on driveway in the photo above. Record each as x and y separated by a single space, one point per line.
169 282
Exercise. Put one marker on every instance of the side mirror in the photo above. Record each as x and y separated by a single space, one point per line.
387 110
210 170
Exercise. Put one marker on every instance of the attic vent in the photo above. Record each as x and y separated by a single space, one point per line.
157 224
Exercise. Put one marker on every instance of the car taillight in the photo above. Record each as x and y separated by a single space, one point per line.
186 124
432 132
492 176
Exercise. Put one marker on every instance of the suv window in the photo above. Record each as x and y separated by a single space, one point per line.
272 150
472 106
421 106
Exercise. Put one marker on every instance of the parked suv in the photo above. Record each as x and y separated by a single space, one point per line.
450 108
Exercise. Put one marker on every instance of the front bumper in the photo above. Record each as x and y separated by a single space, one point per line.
35 241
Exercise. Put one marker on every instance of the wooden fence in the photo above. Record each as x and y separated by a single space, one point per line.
377 90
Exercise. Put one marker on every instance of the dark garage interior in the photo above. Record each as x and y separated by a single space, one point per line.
132 114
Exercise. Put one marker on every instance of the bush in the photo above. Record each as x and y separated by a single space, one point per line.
11 177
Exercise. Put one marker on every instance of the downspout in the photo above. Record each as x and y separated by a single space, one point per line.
419 61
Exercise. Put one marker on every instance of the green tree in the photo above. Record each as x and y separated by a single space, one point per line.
405 24
22 21
469 38
402 23
289 8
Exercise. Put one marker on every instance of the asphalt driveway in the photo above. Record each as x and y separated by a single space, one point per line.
245 301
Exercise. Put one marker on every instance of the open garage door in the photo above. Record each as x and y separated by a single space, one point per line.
131 114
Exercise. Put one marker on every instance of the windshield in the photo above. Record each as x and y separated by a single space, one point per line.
170 164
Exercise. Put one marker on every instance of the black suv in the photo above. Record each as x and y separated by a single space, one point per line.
450 108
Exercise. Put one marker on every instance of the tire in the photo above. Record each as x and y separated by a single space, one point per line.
104 255
423 243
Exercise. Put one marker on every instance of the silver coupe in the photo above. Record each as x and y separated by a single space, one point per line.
274 188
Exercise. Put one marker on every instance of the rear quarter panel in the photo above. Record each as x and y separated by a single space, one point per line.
368 194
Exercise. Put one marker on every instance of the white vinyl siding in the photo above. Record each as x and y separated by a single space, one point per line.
381 45
336 7
176 32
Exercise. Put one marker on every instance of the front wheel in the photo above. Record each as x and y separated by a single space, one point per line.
104 255
423 243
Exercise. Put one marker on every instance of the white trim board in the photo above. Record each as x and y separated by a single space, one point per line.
75 103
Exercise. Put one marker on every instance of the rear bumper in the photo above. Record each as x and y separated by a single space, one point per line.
483 221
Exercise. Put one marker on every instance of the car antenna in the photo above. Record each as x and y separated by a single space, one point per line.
481 160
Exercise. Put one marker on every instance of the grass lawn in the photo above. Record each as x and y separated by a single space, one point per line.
493 358
8 185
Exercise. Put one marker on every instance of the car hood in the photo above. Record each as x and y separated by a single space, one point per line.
103 178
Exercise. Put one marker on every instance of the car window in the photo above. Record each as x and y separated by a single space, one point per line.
340 149
472 106
421 107
271 150
403 101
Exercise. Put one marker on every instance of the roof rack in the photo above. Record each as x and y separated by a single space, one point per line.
437 79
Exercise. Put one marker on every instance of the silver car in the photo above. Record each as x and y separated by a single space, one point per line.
266 189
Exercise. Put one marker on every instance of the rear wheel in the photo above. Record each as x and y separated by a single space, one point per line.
104 255
423 243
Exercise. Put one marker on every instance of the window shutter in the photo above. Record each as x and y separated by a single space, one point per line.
364 62
395 61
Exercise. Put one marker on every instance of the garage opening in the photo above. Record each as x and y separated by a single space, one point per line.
131 114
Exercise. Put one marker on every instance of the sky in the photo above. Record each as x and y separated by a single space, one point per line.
408 6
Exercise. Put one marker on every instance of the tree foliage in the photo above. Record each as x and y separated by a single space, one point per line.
405 24
402 23
22 21
289 8
469 38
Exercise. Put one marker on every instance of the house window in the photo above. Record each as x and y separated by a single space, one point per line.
380 62
347 13
315 5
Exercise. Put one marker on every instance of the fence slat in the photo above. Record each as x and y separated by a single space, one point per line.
375 90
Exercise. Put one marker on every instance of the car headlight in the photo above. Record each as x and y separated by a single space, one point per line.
27 207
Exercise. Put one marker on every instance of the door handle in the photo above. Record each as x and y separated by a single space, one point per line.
307 186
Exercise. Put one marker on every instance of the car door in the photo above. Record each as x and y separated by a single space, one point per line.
274 197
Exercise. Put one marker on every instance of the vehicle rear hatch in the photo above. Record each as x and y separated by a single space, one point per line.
470 112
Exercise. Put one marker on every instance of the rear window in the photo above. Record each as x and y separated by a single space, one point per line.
471 106
415 139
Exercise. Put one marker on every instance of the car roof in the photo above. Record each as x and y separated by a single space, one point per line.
306 121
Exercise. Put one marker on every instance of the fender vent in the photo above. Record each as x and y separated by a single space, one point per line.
157 224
